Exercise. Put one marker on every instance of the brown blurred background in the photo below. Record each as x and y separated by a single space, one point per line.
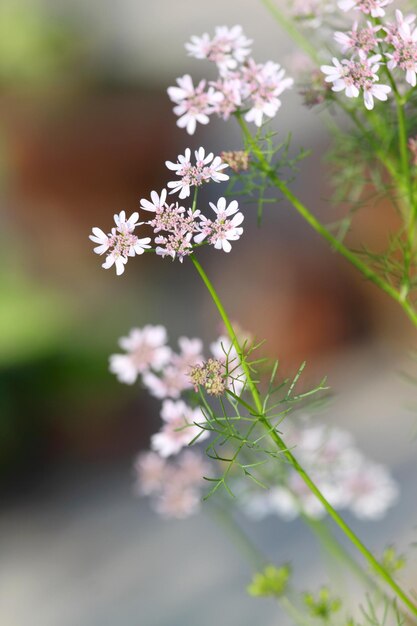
85 128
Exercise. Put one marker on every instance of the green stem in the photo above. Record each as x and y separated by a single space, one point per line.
378 568
323 231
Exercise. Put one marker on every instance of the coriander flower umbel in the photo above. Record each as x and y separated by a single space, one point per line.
404 55
121 242
223 230
355 75
206 168
180 428
146 349
374 8
193 104
228 48
263 84
359 38
174 486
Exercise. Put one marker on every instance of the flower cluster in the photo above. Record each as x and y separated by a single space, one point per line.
311 12
371 44
238 160
168 375
374 8
211 376
403 39
177 229
345 477
357 75
120 243
242 84
174 486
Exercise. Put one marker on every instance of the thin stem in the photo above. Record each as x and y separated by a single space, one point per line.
292 30
323 231
194 206
378 568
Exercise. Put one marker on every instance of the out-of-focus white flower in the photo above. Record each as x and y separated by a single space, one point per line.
374 8
121 243
343 475
175 486
180 428
228 48
146 348
371 490
222 230
150 469
311 12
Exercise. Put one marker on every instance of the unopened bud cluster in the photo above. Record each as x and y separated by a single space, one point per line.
211 376
238 160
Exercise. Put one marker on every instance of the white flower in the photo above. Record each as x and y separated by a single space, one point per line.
193 104
157 202
223 230
180 428
175 486
146 348
206 168
151 473
405 48
375 8
264 83
177 503
352 76
121 242
169 384
228 48
371 491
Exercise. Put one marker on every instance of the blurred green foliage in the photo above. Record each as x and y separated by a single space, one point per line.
35 48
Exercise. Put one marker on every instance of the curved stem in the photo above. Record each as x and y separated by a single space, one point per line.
263 420
324 232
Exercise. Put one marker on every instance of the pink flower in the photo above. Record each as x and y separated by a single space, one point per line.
359 39
121 242
176 486
206 168
146 348
169 384
223 230
180 428
193 104
231 89
404 42
228 47
151 474
157 202
356 75
264 83
374 8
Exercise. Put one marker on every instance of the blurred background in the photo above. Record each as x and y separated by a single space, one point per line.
85 128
